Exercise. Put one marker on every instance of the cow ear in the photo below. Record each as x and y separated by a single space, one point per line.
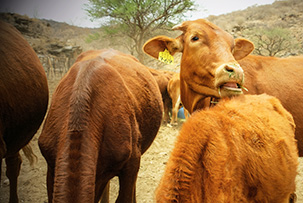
243 47
158 44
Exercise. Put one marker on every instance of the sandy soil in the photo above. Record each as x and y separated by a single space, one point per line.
32 181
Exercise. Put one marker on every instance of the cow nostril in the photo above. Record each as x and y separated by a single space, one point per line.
229 69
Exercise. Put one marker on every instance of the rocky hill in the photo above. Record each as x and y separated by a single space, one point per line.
284 14
58 44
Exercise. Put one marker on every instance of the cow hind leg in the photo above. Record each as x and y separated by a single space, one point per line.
186 114
176 105
2 153
50 184
2 147
127 180
13 164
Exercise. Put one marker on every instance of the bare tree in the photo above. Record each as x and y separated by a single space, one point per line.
272 41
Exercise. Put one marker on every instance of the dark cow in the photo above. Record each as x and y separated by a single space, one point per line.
23 99
163 77
214 64
242 150
104 115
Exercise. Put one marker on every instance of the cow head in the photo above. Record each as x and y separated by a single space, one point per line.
208 66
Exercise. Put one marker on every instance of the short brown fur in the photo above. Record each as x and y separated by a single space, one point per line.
242 150
23 99
104 115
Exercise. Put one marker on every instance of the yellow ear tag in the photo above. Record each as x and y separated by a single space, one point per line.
166 57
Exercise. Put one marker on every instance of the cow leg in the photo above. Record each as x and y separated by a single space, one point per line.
176 105
174 116
186 114
127 180
2 153
50 184
13 164
166 110
2 147
0 170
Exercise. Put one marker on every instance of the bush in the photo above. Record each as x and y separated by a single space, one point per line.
273 41
92 37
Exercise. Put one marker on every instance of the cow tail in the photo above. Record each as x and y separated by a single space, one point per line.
29 154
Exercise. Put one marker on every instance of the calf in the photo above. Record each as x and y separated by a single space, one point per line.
163 77
104 114
241 150
173 89
23 99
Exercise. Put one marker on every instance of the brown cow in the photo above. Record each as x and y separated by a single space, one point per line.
162 77
23 99
279 77
173 89
209 69
104 115
242 150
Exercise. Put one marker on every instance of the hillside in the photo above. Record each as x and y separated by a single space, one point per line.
285 14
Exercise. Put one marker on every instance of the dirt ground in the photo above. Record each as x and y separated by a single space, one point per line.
32 181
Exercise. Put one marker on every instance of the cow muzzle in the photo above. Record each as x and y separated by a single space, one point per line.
229 80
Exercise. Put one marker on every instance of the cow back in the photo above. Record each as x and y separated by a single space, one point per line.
105 112
233 152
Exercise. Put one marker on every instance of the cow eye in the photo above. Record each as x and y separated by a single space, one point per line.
195 38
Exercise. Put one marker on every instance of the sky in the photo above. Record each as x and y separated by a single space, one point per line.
73 13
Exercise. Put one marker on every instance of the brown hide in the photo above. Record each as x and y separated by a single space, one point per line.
23 99
173 89
242 150
162 77
278 77
104 115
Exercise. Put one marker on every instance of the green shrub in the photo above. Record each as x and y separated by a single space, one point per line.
92 37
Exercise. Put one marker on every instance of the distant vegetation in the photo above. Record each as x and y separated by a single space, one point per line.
274 41
276 29
135 20
92 37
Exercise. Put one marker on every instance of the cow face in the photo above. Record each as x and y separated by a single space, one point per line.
208 66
